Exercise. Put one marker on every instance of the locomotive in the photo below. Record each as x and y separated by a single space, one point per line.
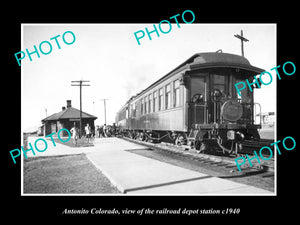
196 104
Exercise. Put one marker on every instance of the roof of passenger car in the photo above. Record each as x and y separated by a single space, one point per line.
207 60
213 59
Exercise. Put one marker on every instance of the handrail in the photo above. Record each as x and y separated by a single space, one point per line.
255 103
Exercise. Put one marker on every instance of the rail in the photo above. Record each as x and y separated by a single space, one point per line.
255 113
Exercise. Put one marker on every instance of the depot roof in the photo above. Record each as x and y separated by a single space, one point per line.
68 113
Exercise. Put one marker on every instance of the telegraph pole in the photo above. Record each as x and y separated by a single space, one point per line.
243 39
104 100
80 84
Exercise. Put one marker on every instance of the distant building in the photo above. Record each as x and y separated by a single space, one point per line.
31 131
266 118
66 119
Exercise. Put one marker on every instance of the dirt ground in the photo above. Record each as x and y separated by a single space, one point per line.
64 174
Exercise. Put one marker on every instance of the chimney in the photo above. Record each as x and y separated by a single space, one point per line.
63 108
69 104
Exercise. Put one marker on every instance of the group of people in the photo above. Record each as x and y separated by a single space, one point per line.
76 134
100 131
105 131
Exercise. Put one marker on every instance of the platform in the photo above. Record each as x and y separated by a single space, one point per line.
135 174
138 175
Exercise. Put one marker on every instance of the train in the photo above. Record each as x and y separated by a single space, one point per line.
197 105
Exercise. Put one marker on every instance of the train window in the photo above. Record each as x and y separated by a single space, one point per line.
160 99
245 95
133 110
154 100
218 82
136 108
176 93
142 106
150 103
198 86
146 104
168 96
127 113
123 114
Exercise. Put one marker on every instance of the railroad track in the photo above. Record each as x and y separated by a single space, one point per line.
249 146
216 159
258 144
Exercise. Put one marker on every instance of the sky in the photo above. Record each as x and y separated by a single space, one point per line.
109 56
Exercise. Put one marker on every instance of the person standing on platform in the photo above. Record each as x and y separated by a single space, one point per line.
74 132
104 130
88 132
98 131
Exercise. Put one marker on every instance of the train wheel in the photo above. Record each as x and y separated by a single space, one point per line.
149 137
140 136
229 147
179 140
130 135
200 146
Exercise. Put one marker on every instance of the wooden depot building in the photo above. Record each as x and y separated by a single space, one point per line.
66 119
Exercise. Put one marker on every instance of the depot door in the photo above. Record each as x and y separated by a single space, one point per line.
198 106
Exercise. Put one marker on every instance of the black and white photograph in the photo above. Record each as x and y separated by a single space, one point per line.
128 109
129 112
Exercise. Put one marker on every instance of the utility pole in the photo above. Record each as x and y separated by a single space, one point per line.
243 39
104 100
80 84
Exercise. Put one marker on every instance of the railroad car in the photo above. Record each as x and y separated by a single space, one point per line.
196 104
